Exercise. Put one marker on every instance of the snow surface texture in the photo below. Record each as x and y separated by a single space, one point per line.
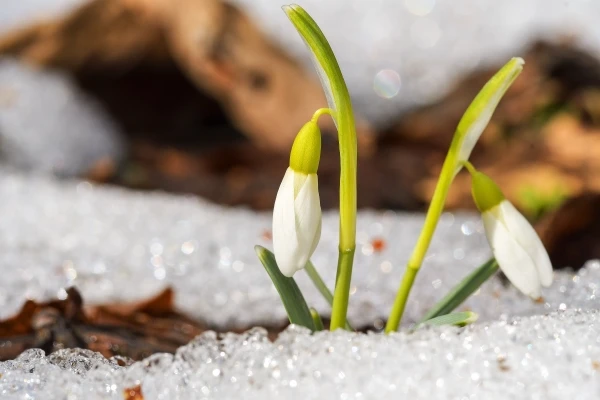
115 245
552 357
118 245
48 124
396 54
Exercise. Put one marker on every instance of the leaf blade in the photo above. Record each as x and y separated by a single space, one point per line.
459 319
289 292
478 114
318 322
463 290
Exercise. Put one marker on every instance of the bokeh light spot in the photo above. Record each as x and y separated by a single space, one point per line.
419 7
387 83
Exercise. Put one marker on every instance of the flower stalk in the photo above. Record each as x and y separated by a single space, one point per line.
339 102
469 129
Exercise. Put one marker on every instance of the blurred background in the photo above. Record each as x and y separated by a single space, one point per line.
206 96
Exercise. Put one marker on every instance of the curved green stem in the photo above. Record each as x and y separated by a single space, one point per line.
322 111
339 101
418 255
469 129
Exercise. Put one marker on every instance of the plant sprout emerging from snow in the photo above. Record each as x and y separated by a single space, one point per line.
517 249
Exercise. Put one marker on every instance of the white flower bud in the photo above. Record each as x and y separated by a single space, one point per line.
296 221
517 248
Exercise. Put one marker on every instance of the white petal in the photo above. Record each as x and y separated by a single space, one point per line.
524 233
285 238
308 217
511 256
316 239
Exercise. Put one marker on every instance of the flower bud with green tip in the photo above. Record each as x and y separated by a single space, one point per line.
297 210
515 244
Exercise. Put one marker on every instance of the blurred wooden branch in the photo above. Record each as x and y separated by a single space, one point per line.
266 94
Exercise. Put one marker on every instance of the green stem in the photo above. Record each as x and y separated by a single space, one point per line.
418 255
339 308
322 111
339 101
469 167
321 286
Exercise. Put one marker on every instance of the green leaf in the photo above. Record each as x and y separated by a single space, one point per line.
291 296
339 102
316 279
458 319
463 290
480 111
316 320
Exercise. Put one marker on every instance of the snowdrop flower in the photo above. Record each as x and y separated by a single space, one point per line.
515 244
297 210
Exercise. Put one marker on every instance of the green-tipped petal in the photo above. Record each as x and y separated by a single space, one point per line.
486 193
306 150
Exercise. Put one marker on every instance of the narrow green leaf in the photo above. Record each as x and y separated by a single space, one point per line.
316 279
463 290
316 320
458 319
480 111
291 296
